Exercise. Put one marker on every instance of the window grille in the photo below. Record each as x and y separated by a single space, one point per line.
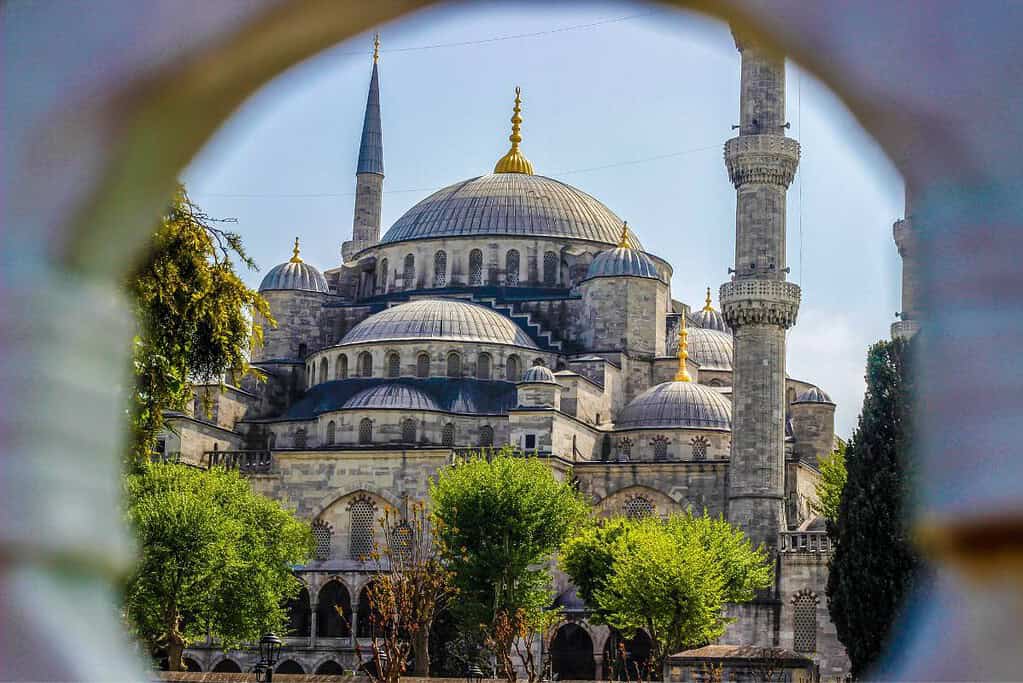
401 542
638 507
322 534
486 435
512 369
393 365
625 448
483 366
382 276
366 364
448 435
331 432
550 269
300 437
475 268
440 269
423 365
511 268
408 275
341 367
660 447
361 519
454 365
408 431
366 431
804 621
699 445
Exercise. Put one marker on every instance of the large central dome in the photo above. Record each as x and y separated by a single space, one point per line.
510 204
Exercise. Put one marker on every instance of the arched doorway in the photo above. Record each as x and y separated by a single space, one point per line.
329 623
330 668
628 659
290 666
299 615
227 666
192 665
572 654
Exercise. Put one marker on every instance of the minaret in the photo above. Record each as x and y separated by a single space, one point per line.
369 175
905 235
758 304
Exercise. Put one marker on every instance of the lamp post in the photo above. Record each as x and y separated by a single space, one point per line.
474 674
269 652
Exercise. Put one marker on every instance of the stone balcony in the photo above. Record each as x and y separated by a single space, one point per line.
246 462
805 542
760 302
764 159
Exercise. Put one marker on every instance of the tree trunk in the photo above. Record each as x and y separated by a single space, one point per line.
421 653
175 644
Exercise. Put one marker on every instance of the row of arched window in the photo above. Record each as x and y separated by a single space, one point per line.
624 445
455 366
512 267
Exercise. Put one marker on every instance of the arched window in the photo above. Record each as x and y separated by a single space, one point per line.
393 365
365 431
302 350
539 361
227 666
382 276
368 618
550 269
331 433
365 364
483 366
454 364
300 437
475 268
361 515
486 435
625 448
447 436
299 614
401 542
341 367
511 268
290 666
330 668
423 365
440 269
715 383
408 274
333 611
804 621
699 445
322 534
513 369
660 444
408 431
638 507
323 370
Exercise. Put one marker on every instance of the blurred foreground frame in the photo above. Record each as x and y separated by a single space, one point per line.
105 102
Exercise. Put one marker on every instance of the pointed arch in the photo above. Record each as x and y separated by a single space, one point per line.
475 268
511 268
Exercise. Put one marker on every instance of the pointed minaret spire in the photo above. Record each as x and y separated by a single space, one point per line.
706 304
624 242
369 173
295 258
513 161
683 351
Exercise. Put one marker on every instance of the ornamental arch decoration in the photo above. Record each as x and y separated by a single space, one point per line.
91 237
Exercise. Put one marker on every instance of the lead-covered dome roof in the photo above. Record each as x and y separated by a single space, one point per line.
398 396
439 319
295 274
712 349
813 395
509 204
677 404
622 262
539 373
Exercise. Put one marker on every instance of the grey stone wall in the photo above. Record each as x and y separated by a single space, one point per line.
539 395
808 571
298 328
695 485
813 427
583 399
625 314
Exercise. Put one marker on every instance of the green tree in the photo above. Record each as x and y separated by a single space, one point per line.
829 487
215 558
194 317
500 522
670 578
875 564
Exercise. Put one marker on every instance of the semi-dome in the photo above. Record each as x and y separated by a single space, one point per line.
295 274
539 373
514 204
813 395
712 349
397 396
677 404
623 261
439 319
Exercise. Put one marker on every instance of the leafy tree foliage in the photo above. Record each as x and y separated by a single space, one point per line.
215 557
194 316
829 487
670 577
500 522
875 565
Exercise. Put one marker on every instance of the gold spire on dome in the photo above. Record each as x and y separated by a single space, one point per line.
706 305
624 242
295 258
376 48
683 351
513 161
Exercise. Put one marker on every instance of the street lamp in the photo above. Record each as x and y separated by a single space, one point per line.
474 674
269 652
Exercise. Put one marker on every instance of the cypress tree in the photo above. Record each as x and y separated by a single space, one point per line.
875 564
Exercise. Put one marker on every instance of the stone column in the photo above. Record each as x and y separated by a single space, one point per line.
312 621
758 303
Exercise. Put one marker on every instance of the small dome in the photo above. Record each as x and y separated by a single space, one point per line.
813 395
539 373
622 262
710 348
677 404
439 319
398 396
710 320
292 275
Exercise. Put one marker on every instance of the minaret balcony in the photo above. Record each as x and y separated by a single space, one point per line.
905 329
762 159
904 235
759 302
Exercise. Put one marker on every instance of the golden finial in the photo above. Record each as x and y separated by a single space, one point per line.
376 48
683 351
295 258
624 241
706 304
513 161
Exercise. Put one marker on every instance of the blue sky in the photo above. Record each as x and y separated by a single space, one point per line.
604 85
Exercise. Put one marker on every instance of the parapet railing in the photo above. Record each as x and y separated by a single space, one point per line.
243 461
805 542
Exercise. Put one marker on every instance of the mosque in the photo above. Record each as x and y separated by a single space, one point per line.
513 308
